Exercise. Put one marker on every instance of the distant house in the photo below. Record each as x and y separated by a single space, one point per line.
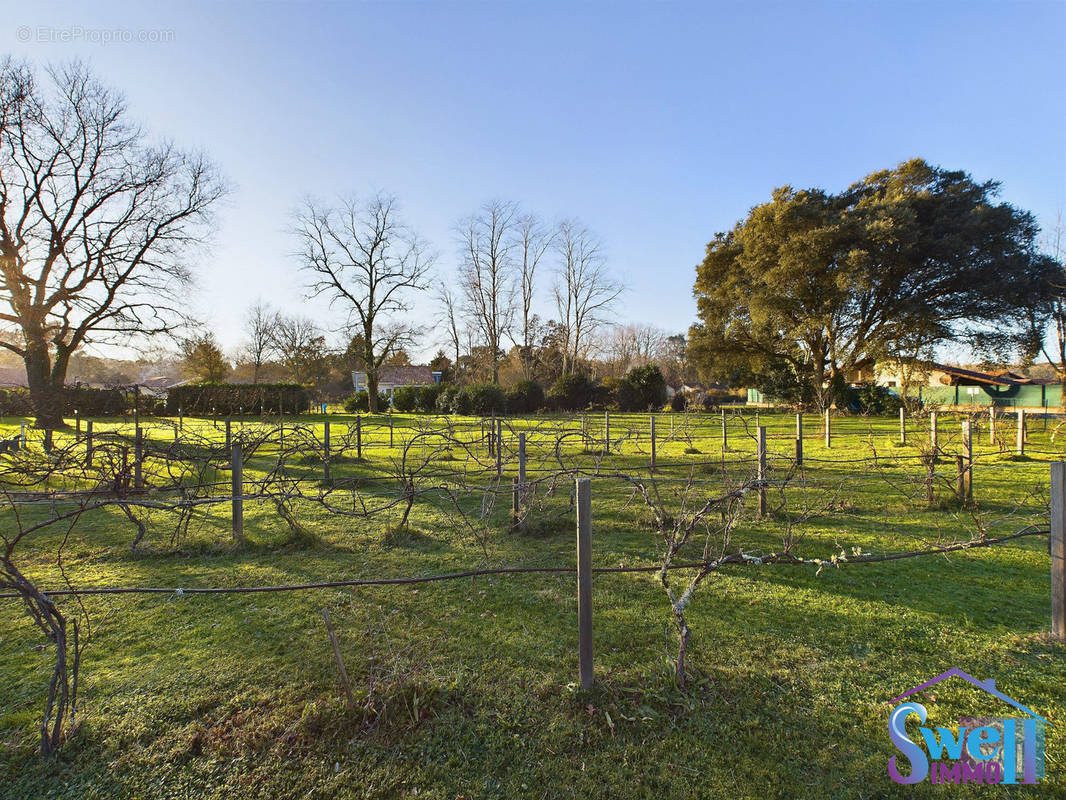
950 385
392 378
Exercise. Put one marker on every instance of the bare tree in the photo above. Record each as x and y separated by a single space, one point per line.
486 273
584 289
534 241
95 225
449 319
261 327
300 347
365 259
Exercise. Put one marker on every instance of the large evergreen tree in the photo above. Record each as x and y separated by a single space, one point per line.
900 262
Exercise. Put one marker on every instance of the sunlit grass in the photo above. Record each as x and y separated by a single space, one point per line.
465 688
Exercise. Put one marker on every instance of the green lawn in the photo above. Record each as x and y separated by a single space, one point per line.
466 688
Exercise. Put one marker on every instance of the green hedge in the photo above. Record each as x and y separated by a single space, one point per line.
88 401
360 401
227 399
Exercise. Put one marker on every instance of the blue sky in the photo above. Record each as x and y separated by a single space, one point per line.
656 124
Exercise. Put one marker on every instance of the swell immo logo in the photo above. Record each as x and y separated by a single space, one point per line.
984 750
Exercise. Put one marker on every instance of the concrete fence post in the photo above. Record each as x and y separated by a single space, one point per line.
1058 550
761 477
584 582
992 424
236 463
22 436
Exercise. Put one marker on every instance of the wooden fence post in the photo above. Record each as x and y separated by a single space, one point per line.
762 470
77 424
902 426
516 503
1058 550
236 465
359 437
960 481
652 426
584 582
967 454
607 432
181 419
933 433
828 429
725 433
799 451
799 426
337 656
229 437
325 450
390 430
138 457
991 423
22 436
1019 446
88 442
499 448
522 460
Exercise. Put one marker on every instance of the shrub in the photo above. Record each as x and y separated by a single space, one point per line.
360 402
481 399
641 389
426 401
871 399
446 399
572 393
93 402
679 402
15 403
525 397
405 399
234 398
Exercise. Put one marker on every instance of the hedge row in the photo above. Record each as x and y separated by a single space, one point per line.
87 401
229 399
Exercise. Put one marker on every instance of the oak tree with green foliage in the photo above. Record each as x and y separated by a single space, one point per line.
898 263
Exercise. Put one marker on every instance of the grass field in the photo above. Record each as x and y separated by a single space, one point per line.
466 688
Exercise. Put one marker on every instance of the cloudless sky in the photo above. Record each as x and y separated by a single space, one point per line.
657 124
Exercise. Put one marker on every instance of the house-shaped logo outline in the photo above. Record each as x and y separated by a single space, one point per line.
988 686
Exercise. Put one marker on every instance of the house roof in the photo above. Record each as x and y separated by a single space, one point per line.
959 374
987 686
